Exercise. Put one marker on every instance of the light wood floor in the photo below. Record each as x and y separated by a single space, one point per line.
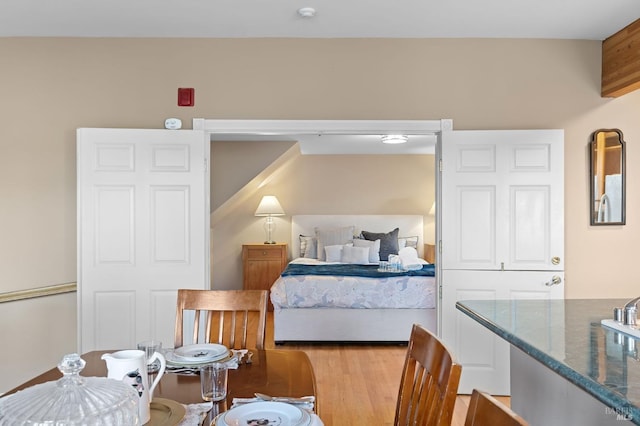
358 384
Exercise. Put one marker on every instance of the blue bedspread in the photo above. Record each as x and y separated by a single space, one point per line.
345 269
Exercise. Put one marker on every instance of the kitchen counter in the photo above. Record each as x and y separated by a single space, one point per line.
566 368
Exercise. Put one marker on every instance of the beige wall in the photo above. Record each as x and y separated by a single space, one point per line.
234 163
50 87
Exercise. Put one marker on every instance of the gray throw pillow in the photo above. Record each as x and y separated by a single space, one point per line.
388 242
308 246
333 236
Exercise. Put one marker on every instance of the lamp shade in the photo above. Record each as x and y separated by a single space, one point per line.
432 211
269 206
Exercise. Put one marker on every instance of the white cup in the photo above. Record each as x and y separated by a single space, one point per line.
213 381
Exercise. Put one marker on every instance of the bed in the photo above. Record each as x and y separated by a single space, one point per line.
328 298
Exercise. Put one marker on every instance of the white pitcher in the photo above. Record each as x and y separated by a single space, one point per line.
130 366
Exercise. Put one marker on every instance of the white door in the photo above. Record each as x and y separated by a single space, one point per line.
143 220
502 236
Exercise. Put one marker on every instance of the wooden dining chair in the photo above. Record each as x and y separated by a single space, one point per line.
228 316
429 383
485 410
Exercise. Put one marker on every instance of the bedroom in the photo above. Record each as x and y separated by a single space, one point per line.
357 184
68 83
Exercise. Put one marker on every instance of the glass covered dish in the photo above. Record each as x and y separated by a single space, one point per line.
72 400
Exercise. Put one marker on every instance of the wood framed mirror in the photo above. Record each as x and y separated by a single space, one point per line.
607 174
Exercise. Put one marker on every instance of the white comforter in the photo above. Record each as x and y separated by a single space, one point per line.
314 291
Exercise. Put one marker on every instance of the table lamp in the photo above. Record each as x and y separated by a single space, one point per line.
269 207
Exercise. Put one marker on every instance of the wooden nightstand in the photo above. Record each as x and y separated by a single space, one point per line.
430 253
262 265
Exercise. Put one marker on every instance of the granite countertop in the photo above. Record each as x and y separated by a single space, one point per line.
567 337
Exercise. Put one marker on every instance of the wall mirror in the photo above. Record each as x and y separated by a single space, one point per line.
607 166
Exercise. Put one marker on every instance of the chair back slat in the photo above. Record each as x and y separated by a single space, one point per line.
220 327
245 325
232 337
429 382
196 326
207 330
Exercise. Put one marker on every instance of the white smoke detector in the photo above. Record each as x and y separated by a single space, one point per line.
172 124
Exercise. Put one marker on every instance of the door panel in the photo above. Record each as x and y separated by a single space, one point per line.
163 302
529 233
476 222
113 310
473 158
114 225
170 227
470 335
530 157
143 220
480 351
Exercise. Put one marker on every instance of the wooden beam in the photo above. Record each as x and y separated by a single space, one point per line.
621 62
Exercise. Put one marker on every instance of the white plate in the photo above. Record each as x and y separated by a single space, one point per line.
304 421
200 352
266 413
172 359
219 420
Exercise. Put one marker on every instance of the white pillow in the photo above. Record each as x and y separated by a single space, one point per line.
374 248
331 237
333 253
357 255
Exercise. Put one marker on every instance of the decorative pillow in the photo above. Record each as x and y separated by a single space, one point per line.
358 255
333 253
331 237
374 248
388 242
408 242
308 246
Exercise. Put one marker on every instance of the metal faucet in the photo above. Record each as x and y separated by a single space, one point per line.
630 314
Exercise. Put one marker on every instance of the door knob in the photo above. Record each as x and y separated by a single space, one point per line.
555 280
555 260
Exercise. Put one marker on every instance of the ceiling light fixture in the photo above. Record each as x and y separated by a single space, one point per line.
307 12
394 139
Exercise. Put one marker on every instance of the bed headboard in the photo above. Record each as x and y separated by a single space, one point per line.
410 225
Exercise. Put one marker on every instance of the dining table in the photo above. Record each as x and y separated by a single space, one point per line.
276 372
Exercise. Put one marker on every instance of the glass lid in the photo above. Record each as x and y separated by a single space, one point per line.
72 400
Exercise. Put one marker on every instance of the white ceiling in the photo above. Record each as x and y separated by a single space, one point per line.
567 19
